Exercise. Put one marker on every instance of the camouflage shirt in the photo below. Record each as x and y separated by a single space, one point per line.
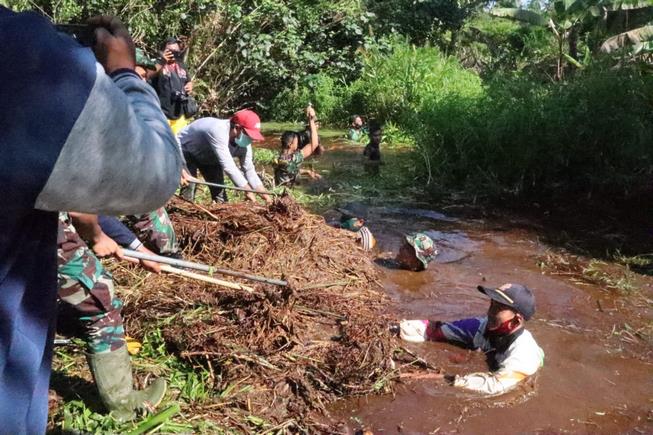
287 167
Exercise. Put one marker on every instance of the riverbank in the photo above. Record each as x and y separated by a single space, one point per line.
594 316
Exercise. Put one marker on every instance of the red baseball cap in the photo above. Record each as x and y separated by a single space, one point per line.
250 122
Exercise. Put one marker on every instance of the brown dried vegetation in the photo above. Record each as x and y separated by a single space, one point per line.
300 347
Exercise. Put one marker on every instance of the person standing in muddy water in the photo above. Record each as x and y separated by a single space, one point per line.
288 165
209 145
372 151
511 350
373 148
357 130
305 137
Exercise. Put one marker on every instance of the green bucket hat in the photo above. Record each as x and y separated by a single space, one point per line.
425 249
143 60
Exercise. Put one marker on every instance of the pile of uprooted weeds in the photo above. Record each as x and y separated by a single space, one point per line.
296 348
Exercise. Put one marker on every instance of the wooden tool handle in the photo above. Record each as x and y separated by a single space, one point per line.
200 277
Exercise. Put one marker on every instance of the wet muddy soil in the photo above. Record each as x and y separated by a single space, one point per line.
598 371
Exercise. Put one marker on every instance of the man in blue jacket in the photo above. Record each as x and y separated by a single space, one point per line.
78 135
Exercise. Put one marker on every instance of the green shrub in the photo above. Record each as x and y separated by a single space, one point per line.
394 86
511 134
592 132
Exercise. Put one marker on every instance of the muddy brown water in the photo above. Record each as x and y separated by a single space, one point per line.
593 381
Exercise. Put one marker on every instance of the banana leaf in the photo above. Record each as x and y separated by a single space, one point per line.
523 15
635 37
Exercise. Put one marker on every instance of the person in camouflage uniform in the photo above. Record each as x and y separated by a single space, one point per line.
155 230
416 252
85 286
86 292
357 226
287 166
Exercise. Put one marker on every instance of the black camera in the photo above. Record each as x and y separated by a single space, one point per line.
179 55
181 97
82 33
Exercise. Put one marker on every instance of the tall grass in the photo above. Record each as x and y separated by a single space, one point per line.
593 132
512 134
395 87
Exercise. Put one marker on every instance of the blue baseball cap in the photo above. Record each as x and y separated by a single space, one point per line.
516 296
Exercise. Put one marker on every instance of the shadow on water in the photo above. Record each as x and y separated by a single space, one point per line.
388 263
608 227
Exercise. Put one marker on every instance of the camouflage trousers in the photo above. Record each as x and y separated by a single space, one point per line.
86 292
156 232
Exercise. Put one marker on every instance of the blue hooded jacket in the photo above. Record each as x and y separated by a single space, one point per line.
71 139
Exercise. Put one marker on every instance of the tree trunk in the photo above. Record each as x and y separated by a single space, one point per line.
560 67
573 44
451 49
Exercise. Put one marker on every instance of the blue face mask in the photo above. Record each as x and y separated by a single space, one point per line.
243 140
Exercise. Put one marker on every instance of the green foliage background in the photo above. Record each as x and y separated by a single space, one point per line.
242 52
521 105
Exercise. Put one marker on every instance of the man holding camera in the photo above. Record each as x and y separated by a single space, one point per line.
173 86
77 138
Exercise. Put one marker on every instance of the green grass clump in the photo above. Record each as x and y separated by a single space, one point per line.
265 156
189 387
621 280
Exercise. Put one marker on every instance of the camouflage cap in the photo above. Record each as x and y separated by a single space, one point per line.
425 249
143 60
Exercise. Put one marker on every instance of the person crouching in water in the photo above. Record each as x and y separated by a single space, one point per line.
512 351
373 148
357 226
288 164
416 252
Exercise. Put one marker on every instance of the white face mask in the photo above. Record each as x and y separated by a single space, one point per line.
243 140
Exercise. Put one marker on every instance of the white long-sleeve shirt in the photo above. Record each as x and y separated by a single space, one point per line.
207 140
521 359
